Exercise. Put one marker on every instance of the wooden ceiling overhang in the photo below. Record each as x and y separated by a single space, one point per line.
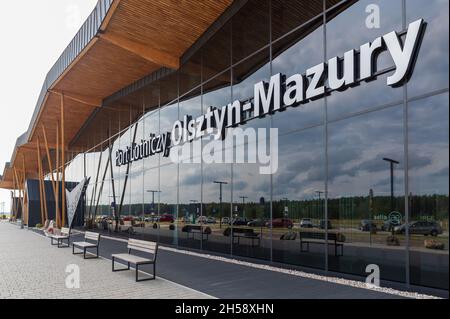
121 42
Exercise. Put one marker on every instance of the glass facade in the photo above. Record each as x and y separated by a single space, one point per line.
334 153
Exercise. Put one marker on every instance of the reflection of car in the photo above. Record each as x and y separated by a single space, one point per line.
210 220
420 228
225 220
202 220
166 218
322 224
153 219
238 221
257 222
306 223
367 225
281 223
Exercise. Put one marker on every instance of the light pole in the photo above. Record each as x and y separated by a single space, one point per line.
153 197
285 210
243 205
220 198
194 201
319 211
391 164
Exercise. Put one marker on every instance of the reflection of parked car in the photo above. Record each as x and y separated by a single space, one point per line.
166 218
202 220
152 219
420 228
306 223
281 223
225 220
367 225
257 223
238 221
322 224
210 220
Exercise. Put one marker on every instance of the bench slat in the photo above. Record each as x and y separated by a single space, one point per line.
141 245
92 235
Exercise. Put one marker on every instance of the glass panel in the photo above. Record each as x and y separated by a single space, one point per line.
431 69
361 151
350 20
168 89
294 55
150 231
250 224
168 116
168 207
245 75
151 126
251 28
428 185
298 194
216 53
288 14
216 193
193 229
190 74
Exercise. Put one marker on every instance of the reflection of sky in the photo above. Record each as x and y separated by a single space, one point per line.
431 70
357 147
428 138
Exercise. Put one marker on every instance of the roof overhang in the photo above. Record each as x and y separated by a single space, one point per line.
120 42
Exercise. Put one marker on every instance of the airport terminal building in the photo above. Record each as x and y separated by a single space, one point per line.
304 133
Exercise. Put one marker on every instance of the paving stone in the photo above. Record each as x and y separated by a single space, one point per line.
31 268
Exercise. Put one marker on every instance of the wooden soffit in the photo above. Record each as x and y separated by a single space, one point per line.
137 37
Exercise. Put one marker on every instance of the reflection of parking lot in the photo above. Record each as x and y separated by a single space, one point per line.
350 229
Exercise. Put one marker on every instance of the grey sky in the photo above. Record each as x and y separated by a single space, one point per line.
33 34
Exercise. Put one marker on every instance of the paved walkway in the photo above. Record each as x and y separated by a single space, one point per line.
31 268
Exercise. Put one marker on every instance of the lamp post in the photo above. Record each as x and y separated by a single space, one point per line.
220 198
194 201
243 205
285 210
391 164
153 197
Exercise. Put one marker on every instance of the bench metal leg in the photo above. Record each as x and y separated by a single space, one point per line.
115 270
145 279
60 242
73 251
92 257
52 241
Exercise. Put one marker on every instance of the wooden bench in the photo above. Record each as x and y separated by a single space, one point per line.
91 240
138 245
319 238
247 233
196 229
64 235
